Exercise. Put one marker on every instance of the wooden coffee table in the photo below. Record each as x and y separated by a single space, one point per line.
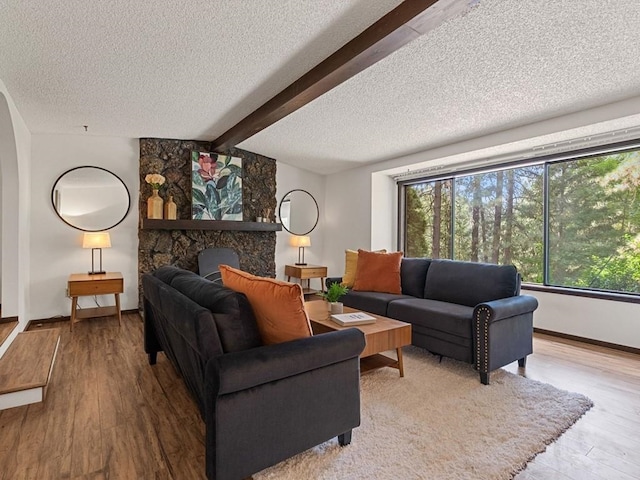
386 334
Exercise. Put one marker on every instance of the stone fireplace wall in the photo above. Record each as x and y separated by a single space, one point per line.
172 158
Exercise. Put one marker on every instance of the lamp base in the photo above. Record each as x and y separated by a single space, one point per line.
96 273
301 264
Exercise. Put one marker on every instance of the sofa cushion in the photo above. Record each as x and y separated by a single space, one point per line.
413 274
442 343
193 322
278 306
469 283
372 302
235 335
446 317
235 320
378 272
167 273
350 267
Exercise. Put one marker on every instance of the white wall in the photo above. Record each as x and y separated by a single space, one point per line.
0 237
361 212
384 211
348 217
604 320
289 178
55 246
15 150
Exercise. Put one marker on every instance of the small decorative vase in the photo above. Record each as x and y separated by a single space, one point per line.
335 307
154 205
170 209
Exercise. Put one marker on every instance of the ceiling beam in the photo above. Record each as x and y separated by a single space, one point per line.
406 22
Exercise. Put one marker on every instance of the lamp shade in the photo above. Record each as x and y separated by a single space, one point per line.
300 241
96 240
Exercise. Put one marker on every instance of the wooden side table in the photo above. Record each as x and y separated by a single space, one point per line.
82 284
306 272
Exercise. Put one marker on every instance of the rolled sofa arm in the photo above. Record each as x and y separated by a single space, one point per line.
505 308
503 333
331 280
245 369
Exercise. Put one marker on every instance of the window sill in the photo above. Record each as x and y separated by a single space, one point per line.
577 292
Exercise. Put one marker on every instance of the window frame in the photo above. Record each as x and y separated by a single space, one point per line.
546 161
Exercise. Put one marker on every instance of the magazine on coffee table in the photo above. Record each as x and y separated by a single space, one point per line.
354 318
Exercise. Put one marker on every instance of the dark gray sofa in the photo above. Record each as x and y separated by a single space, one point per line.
469 311
260 404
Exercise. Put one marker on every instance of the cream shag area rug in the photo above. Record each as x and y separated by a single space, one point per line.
439 422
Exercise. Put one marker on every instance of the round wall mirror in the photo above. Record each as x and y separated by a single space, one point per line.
298 212
91 199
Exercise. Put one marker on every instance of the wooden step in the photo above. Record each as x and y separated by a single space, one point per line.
25 368
6 327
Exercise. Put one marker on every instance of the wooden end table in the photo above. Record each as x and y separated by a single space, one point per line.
386 334
307 272
83 284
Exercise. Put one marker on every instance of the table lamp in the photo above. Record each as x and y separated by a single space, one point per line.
300 241
96 241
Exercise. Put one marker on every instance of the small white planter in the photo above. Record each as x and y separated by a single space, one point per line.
335 307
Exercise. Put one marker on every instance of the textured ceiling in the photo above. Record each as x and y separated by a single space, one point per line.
191 70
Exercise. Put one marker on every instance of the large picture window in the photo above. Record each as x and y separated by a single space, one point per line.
428 214
594 223
570 223
499 219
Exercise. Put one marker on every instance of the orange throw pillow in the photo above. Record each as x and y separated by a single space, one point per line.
378 272
350 267
278 306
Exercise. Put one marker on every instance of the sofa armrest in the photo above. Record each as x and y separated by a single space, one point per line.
505 308
245 369
278 400
503 331
331 280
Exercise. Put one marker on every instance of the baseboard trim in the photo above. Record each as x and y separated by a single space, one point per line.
40 321
590 341
67 318
8 319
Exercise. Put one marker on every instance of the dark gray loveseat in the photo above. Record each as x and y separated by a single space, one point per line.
260 404
469 311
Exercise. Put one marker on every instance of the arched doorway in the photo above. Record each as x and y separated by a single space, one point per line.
9 285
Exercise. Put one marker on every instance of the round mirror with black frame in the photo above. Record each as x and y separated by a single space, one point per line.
91 199
298 212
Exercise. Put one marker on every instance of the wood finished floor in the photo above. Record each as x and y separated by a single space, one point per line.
5 330
109 414
605 443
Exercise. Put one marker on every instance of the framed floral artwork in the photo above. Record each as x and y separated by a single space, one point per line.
216 187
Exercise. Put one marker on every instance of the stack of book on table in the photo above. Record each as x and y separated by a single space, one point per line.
354 318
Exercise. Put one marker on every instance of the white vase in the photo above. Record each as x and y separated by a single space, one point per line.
335 307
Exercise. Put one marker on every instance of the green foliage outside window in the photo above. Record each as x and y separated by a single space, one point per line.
498 217
594 223
428 213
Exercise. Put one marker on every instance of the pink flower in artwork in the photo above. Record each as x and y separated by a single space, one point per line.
207 167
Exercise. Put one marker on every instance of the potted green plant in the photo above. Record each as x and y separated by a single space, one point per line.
333 294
